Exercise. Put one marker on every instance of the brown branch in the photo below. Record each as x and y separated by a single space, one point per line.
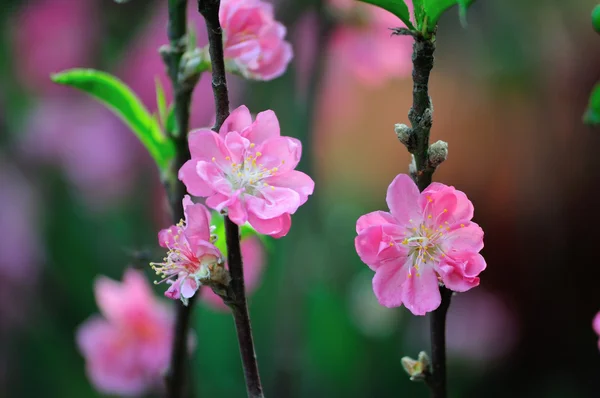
236 293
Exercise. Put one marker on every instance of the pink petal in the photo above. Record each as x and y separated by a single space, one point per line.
467 237
219 201
275 201
402 199
388 282
276 227
198 224
464 207
174 290
460 273
237 146
378 244
214 178
165 236
421 292
281 152
194 184
188 288
264 127
237 212
596 323
205 144
373 219
296 180
237 120
438 207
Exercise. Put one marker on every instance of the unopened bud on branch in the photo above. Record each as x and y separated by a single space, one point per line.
403 132
417 369
438 152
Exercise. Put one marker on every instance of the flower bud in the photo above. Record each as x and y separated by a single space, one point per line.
403 132
417 369
438 152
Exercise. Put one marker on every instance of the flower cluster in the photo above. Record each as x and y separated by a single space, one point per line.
254 44
127 349
247 168
192 257
426 239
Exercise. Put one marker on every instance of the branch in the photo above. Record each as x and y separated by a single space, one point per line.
176 377
426 159
236 293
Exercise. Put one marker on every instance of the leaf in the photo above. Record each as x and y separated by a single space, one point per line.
396 7
596 18
170 124
161 101
435 8
419 13
592 113
119 98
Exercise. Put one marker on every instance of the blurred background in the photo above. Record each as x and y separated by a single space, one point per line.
80 198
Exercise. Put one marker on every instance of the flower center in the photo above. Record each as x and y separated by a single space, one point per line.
248 176
181 259
424 245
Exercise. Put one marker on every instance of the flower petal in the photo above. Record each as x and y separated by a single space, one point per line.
388 282
197 223
460 273
275 227
421 292
237 120
264 127
205 144
274 202
373 219
189 288
282 153
237 146
165 236
402 199
296 180
466 237
377 245
195 185
212 175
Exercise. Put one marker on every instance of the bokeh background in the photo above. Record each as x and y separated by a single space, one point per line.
80 198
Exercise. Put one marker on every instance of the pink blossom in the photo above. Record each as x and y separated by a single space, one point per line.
426 239
191 257
127 349
53 35
596 326
248 169
92 146
253 255
253 41
362 43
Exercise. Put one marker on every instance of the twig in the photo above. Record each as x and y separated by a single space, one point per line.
421 118
237 291
176 377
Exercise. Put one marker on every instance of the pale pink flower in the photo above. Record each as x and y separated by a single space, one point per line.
191 257
596 326
53 35
254 41
253 255
248 169
127 349
362 43
426 239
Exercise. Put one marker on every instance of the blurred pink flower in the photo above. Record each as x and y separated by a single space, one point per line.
91 144
128 348
362 43
50 36
427 238
253 255
248 168
191 255
596 326
20 244
253 41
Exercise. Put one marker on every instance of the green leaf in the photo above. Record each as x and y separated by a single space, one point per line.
161 101
419 13
396 7
592 113
119 98
170 124
435 8
596 18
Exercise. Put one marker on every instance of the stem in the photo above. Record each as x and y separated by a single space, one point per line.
420 116
437 379
176 377
237 291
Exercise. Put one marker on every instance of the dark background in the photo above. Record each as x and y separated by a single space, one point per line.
79 198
